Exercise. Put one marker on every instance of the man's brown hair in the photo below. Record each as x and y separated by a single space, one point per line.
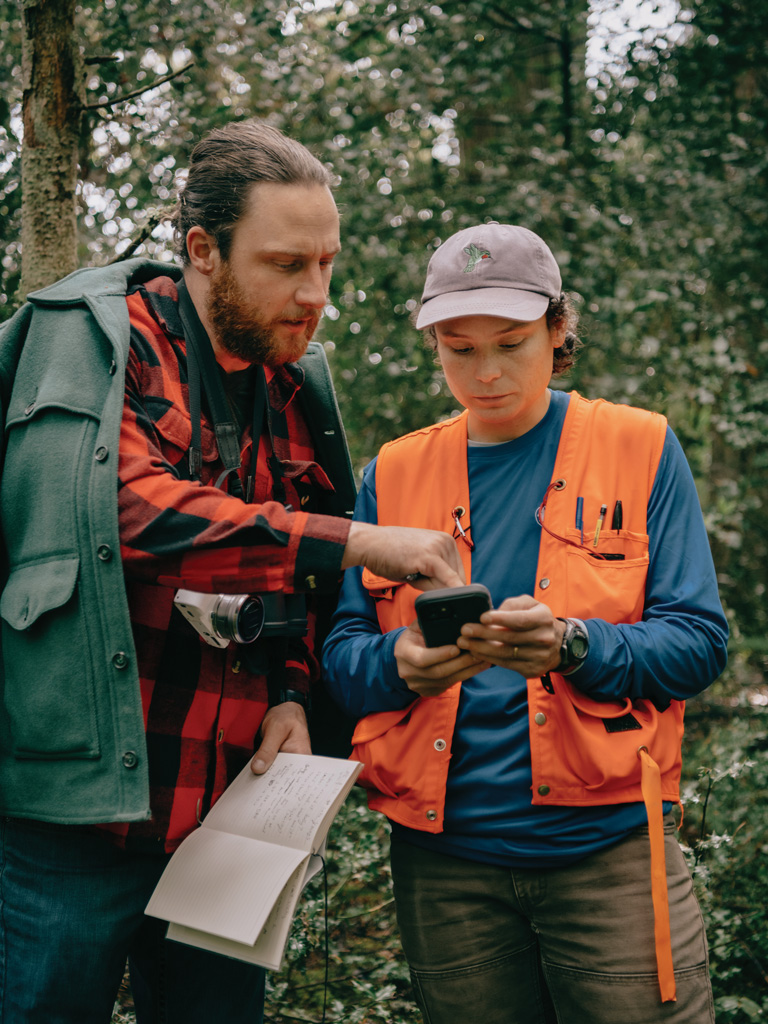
224 167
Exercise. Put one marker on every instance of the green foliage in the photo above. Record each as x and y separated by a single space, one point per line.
725 836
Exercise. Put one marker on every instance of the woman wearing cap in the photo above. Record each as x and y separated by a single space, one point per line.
530 769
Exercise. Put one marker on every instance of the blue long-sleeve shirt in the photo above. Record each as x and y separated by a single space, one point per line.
677 649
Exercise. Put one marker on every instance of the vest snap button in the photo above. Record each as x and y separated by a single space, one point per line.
543 790
544 583
431 815
440 744
539 718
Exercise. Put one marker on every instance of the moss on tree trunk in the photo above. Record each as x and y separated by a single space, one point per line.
52 107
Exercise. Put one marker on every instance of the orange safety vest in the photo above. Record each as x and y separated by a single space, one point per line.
583 752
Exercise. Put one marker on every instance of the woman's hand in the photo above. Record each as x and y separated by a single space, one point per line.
429 671
521 634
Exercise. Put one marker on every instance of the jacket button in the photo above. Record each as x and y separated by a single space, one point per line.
130 759
544 583
543 790
120 660
539 718
30 409
311 582
104 551
431 815
440 744
101 453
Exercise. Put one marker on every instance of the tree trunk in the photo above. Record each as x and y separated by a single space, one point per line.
52 106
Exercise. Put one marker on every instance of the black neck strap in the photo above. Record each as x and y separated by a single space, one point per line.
203 374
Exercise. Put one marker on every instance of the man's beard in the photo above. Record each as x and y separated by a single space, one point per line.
243 333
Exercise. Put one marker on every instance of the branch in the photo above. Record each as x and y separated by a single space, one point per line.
138 92
101 58
146 231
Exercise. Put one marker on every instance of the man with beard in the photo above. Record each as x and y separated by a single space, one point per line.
119 725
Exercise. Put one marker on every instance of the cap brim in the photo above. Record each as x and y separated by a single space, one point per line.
510 303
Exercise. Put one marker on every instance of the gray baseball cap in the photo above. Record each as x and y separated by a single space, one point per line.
492 270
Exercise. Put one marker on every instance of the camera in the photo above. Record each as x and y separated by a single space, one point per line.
244 618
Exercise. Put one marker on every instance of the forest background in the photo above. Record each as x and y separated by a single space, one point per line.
631 135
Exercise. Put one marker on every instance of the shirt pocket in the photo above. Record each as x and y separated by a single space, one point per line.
48 694
173 431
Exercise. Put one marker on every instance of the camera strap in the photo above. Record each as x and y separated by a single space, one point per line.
200 357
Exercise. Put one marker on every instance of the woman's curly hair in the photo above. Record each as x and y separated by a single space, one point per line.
561 312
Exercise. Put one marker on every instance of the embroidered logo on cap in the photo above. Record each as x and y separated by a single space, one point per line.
475 254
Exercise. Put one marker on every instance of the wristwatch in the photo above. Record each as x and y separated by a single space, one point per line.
574 647
297 697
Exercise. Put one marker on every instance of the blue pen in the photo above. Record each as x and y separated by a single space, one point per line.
580 517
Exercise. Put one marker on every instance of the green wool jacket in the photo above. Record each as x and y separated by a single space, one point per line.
72 742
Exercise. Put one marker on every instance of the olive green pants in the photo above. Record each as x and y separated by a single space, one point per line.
573 945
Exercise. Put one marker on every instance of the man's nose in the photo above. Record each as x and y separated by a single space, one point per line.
313 288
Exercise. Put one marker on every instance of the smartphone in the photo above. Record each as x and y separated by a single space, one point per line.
442 613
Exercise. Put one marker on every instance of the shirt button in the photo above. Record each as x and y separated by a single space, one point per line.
543 790
130 759
539 718
544 583
104 551
101 453
431 815
120 660
440 744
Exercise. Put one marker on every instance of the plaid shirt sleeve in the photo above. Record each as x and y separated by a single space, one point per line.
184 533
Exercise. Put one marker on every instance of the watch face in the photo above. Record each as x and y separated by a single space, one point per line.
579 647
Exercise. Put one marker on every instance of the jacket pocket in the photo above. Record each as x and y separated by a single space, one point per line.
48 689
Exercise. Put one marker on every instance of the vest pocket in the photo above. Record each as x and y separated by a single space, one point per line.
611 587
48 696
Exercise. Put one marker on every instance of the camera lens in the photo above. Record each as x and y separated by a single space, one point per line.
238 617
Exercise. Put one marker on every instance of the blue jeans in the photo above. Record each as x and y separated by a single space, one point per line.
72 911
538 945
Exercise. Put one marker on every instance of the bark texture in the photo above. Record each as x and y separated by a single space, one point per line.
52 107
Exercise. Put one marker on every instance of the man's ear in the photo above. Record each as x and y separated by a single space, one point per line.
202 249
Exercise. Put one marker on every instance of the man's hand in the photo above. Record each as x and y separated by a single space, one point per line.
284 728
400 552
429 671
521 634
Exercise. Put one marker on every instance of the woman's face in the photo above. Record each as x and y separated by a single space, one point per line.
499 370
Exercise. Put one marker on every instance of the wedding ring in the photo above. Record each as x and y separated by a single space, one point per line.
412 576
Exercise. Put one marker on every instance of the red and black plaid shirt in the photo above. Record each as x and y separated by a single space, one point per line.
202 706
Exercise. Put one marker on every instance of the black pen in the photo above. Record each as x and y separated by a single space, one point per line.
618 517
